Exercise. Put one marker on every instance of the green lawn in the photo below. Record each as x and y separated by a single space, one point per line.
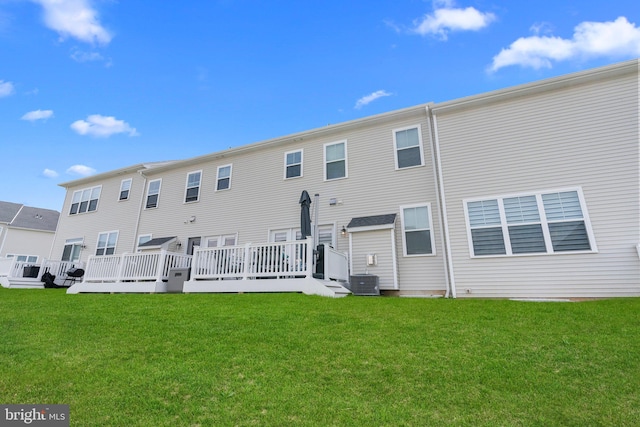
290 359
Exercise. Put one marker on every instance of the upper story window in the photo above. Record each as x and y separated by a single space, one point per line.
335 160
538 223
224 178
85 200
125 188
293 164
107 243
408 144
193 187
417 235
153 193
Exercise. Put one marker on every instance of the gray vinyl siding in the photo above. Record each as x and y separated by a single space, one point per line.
112 214
583 136
376 242
260 198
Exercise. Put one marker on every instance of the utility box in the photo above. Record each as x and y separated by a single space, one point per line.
177 277
364 284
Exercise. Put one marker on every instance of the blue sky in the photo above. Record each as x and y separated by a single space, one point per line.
88 86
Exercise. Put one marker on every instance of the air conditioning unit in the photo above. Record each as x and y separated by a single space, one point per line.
364 284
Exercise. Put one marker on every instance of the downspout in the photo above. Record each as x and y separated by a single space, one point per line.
144 189
444 232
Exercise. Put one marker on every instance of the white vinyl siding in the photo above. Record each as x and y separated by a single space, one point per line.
85 200
192 192
153 193
293 164
408 146
335 160
125 189
417 235
539 223
107 243
223 181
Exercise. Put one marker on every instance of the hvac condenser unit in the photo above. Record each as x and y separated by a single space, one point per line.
364 284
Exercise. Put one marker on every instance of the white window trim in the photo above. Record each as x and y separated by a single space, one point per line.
128 191
395 146
346 160
140 236
186 187
24 255
115 246
90 189
230 166
543 221
293 231
220 239
301 151
431 231
146 198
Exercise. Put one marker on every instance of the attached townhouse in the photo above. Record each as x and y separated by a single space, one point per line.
26 232
530 191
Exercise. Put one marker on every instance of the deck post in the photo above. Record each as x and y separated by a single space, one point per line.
310 258
160 267
247 261
121 268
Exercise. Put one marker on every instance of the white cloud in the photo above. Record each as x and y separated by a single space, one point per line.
81 56
367 99
6 88
32 116
49 173
74 18
445 18
81 170
618 38
102 126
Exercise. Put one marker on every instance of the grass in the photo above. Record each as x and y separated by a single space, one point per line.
290 359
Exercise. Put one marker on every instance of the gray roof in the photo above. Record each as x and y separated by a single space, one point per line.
20 216
372 221
158 241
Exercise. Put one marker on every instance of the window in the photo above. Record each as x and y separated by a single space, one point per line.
24 258
539 223
325 234
107 243
293 164
85 200
153 192
143 238
417 236
335 160
125 188
224 178
72 248
408 143
193 187
219 241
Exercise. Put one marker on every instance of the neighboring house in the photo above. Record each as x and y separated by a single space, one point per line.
530 191
26 233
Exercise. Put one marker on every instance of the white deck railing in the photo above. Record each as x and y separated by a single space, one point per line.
144 266
251 261
12 268
336 264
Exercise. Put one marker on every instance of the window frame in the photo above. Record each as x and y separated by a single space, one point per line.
543 221
91 204
128 190
420 146
26 258
430 229
287 165
139 241
157 202
345 160
187 187
218 178
107 243
221 240
73 243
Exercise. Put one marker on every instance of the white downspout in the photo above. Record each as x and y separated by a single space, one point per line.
443 207
137 229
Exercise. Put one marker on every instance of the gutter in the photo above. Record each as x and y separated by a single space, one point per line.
142 198
442 202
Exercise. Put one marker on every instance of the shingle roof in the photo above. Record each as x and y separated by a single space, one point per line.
20 216
8 211
372 221
158 241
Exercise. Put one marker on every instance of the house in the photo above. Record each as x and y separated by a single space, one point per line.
529 191
26 235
